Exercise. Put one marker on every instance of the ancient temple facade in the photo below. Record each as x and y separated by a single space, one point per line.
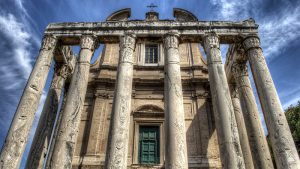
151 99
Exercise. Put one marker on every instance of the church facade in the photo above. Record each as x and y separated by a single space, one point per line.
151 99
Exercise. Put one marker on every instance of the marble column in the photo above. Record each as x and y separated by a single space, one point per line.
68 128
241 127
257 140
18 133
230 149
176 146
117 151
41 140
283 145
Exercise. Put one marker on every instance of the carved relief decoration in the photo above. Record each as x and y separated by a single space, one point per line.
88 42
48 42
171 40
251 42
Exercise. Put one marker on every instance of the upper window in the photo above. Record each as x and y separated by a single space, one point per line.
151 53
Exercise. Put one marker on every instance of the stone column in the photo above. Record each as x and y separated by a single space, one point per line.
283 145
259 147
41 140
117 151
176 147
69 125
241 127
230 149
18 133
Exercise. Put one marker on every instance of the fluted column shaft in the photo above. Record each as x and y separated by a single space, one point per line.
68 128
259 147
176 147
230 149
18 133
116 156
241 127
283 146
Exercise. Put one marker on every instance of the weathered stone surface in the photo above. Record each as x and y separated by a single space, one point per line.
41 140
241 127
259 147
68 128
230 149
117 151
18 133
108 32
176 147
283 146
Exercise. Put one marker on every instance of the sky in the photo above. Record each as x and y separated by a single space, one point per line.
22 24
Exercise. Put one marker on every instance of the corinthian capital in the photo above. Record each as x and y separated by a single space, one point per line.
171 40
127 40
88 42
211 40
251 42
239 69
49 42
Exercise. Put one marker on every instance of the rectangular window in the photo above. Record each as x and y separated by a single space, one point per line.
149 145
151 53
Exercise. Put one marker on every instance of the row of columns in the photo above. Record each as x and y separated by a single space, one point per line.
282 143
237 147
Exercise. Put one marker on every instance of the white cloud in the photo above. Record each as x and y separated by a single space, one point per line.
276 32
280 31
19 57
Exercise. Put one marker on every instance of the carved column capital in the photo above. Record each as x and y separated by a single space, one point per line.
211 40
127 45
252 41
88 42
171 40
128 40
48 42
239 69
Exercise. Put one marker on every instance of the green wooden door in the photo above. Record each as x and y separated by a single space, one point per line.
149 145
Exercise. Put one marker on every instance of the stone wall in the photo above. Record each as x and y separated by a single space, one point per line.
147 107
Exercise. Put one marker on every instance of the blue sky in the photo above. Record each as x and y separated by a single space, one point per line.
22 24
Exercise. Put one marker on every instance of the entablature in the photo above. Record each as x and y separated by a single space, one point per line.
193 31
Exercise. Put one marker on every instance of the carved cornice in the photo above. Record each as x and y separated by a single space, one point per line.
49 42
88 42
171 40
250 42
